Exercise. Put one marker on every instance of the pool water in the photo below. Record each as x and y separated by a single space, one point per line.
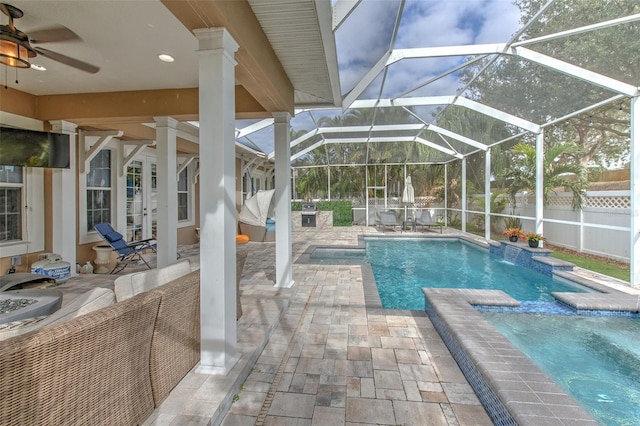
402 267
596 360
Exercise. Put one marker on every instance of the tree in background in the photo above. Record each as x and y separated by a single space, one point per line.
561 168
537 94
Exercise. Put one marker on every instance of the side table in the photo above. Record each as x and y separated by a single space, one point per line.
409 224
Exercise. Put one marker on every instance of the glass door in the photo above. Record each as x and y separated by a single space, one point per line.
141 200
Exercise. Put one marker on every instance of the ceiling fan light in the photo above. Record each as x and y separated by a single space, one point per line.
14 54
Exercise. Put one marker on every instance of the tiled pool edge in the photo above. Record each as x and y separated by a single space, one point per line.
511 388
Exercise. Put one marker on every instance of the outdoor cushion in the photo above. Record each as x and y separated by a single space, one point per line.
113 236
129 285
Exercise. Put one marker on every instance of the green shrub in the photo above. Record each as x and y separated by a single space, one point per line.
342 211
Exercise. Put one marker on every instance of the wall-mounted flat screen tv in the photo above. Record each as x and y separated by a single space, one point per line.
30 148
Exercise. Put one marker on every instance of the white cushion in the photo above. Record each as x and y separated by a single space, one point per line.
129 285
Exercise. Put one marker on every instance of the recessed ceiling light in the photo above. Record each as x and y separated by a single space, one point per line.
38 67
165 58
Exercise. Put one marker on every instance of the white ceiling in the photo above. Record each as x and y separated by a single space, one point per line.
123 38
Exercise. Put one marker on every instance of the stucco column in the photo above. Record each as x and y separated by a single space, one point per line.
634 250
64 200
218 351
166 190
284 274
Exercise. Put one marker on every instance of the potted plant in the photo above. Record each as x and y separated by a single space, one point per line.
514 234
534 239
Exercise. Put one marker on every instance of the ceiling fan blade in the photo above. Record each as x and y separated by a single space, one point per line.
53 34
4 9
63 59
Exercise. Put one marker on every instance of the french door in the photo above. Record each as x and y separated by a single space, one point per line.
142 201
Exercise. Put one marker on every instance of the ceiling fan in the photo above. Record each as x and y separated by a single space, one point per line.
16 46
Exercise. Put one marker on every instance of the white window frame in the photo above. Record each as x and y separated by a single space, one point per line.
191 193
90 236
32 214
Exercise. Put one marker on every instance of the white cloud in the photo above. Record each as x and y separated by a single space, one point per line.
365 36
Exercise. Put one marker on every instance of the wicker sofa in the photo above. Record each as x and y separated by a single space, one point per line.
113 365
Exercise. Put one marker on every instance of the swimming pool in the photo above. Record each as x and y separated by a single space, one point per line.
402 267
594 359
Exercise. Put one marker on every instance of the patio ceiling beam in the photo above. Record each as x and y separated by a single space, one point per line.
252 128
368 128
575 71
308 149
583 110
444 51
297 141
450 100
386 139
457 137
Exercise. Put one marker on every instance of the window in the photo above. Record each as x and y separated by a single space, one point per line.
99 189
11 183
183 195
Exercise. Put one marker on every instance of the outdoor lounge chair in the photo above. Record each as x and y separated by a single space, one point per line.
388 220
128 253
425 220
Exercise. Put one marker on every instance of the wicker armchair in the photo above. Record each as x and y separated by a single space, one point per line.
90 370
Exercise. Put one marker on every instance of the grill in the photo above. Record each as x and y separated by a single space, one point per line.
309 212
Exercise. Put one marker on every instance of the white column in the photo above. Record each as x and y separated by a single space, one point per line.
539 184
284 268
464 195
167 190
634 250
487 194
218 352
64 201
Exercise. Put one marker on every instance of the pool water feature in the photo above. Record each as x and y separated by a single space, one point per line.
594 359
402 267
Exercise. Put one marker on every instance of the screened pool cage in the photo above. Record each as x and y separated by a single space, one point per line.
511 131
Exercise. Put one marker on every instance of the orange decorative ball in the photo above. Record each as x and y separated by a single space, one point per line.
242 239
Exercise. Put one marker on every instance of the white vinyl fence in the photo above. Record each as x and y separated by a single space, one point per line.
600 228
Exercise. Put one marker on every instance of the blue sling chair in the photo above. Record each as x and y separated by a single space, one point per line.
128 253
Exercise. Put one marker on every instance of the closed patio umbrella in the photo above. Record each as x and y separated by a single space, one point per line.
408 196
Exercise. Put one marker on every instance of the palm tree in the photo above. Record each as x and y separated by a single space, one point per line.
561 168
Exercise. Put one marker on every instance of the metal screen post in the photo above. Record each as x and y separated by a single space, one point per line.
463 227
539 226
634 234
487 194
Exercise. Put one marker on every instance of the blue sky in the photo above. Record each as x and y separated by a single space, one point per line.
366 35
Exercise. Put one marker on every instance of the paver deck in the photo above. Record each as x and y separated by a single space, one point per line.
320 353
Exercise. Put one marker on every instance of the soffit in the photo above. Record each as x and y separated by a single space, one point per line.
300 34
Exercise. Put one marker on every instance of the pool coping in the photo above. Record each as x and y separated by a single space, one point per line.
513 390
